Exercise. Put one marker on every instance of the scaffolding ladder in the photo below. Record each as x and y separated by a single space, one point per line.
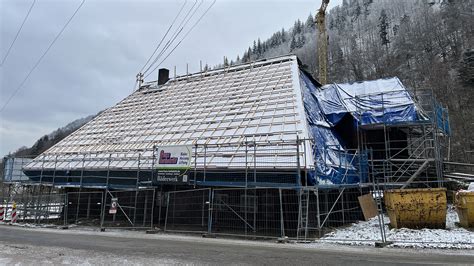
303 211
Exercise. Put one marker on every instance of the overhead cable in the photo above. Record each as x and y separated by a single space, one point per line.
18 33
187 33
164 36
41 58
189 15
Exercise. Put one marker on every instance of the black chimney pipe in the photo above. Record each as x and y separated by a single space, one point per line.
163 76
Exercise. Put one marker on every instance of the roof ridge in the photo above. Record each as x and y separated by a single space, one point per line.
238 67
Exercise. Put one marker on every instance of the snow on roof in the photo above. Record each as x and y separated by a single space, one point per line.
260 101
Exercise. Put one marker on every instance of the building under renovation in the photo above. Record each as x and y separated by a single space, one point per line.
259 148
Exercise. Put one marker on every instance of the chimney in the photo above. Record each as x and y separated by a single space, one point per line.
163 76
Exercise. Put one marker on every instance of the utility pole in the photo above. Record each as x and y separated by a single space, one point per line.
322 42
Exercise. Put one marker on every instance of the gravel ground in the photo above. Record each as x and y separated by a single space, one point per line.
20 254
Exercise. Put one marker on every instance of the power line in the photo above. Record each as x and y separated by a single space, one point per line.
170 42
17 33
166 34
177 31
187 33
41 57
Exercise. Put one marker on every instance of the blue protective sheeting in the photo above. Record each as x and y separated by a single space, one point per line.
314 113
442 118
333 164
369 102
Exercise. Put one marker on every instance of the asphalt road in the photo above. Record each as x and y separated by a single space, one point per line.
153 249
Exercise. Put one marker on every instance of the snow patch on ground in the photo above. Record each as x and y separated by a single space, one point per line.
471 187
368 232
30 225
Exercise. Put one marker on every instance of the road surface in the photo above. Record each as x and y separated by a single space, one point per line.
45 246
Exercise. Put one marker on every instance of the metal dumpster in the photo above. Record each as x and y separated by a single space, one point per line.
416 208
464 202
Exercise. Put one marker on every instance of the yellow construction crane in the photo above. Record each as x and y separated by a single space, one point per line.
322 42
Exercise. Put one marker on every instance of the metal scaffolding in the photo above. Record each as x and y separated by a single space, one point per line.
255 171
402 153
399 155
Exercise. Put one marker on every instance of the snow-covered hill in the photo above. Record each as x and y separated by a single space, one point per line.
428 44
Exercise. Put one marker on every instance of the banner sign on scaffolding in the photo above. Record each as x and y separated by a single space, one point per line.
173 164
113 206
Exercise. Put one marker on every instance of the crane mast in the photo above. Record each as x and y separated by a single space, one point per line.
322 42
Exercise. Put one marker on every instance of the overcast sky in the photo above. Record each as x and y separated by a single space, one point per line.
93 64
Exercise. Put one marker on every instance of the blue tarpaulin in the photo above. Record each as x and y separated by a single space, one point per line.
333 164
442 118
369 102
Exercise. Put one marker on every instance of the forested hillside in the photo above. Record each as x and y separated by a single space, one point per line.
46 141
427 44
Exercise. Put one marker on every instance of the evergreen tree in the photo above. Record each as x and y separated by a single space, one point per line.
384 26
395 29
357 11
297 27
259 48
245 57
310 23
300 42
466 69
293 43
366 4
283 35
